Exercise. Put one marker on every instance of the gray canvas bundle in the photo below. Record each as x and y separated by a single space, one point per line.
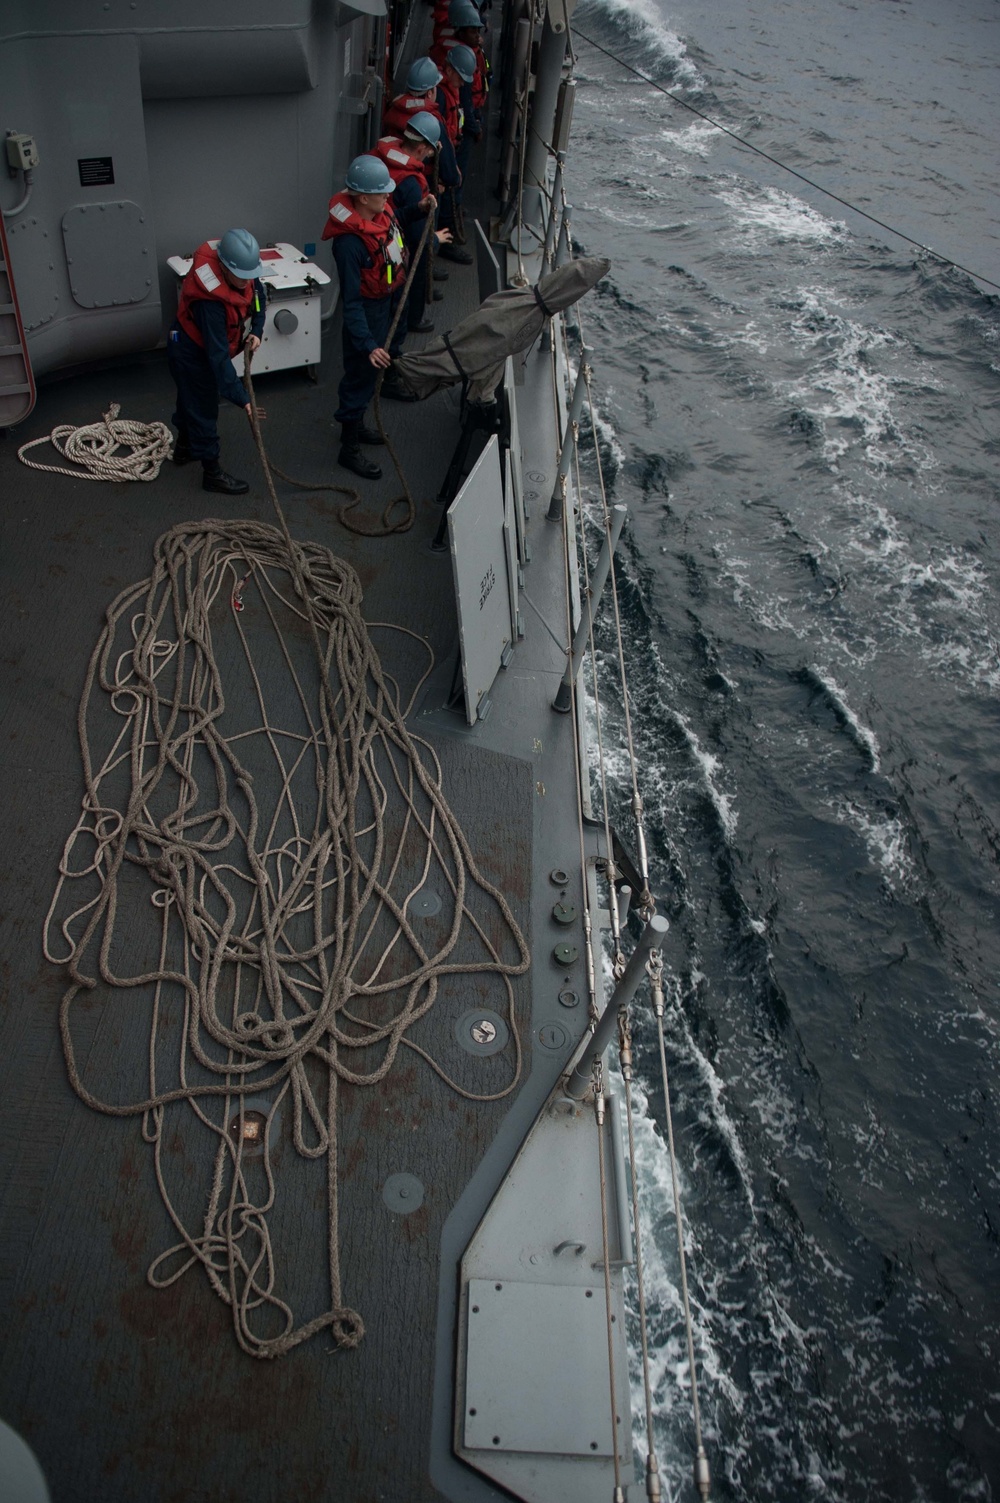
505 323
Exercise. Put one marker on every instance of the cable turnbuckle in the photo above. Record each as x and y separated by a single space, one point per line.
598 1086
625 1044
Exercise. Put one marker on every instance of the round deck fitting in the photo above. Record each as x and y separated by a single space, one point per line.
403 1193
564 955
558 877
553 1036
424 903
564 913
254 1132
261 1125
569 998
481 1031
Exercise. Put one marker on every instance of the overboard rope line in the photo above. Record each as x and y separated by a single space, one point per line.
299 965
95 447
655 972
654 967
776 161
646 903
598 1068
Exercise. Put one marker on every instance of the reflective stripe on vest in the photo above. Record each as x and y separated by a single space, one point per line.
392 151
206 283
380 237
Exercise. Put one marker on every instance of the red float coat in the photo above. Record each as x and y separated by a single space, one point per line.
444 40
397 116
454 115
206 282
392 151
380 237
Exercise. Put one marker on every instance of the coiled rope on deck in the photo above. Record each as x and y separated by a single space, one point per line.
100 448
287 960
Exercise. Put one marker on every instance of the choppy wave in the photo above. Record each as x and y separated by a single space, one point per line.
862 735
766 217
642 21
803 421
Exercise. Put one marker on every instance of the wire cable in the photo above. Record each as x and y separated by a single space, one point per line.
776 161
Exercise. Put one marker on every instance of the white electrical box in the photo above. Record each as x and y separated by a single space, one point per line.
22 153
292 329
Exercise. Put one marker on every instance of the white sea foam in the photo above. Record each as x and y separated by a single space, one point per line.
765 214
643 21
940 597
698 138
886 839
710 767
851 401
863 737
769 611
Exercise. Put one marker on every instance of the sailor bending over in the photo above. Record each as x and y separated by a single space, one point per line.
220 310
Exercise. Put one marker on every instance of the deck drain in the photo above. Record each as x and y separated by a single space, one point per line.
403 1193
256 1132
553 1036
424 903
482 1031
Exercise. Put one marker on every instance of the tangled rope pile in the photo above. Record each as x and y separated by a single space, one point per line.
95 448
281 957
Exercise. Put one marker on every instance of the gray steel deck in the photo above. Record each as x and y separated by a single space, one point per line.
130 1393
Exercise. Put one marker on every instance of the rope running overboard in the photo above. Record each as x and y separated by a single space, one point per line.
279 959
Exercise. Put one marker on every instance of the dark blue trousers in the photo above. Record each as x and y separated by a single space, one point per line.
196 417
416 300
357 384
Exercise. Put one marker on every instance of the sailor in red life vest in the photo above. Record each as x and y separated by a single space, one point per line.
422 82
460 21
221 308
371 262
405 156
455 105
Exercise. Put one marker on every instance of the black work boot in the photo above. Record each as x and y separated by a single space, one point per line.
457 253
216 479
182 450
368 435
350 455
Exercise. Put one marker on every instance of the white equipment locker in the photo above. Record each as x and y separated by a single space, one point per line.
292 330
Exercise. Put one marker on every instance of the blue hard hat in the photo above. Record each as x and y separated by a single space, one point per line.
368 175
425 125
240 254
463 13
463 60
423 76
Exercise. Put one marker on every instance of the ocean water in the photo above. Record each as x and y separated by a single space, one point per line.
802 413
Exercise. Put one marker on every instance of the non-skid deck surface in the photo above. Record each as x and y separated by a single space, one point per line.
127 1392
